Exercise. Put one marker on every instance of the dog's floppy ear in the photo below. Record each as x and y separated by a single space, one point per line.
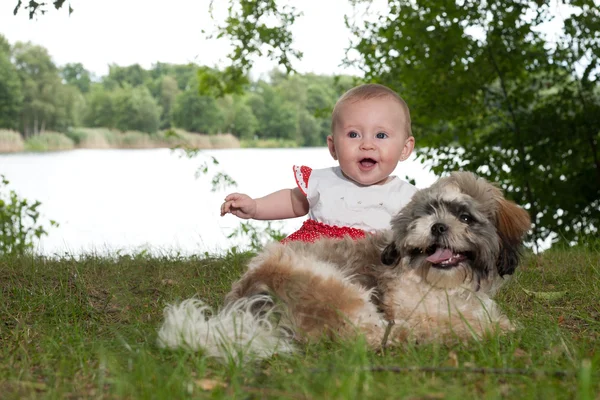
390 254
513 223
508 259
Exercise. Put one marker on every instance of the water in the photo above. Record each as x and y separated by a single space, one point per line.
132 200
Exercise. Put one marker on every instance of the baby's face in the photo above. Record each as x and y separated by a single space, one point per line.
369 139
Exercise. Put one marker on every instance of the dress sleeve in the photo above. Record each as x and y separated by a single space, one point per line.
302 174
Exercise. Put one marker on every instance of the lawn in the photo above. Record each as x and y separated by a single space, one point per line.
87 328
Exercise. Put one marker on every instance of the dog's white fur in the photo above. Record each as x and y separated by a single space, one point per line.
341 288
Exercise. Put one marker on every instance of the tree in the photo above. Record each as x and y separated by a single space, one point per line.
132 75
136 109
487 91
76 75
239 118
277 118
510 99
10 89
40 81
70 108
197 113
100 108
167 96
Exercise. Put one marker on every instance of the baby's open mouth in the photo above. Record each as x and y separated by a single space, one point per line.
367 162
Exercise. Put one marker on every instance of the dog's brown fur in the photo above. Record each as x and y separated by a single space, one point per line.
433 275
341 287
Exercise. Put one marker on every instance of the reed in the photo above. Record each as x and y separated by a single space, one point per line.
224 141
10 141
49 141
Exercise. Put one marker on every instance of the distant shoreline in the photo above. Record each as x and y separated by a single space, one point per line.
104 138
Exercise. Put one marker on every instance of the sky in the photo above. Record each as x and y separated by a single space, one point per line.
125 32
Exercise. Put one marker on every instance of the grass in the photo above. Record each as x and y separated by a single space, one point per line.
86 328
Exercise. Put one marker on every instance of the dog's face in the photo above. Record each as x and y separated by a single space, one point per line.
460 230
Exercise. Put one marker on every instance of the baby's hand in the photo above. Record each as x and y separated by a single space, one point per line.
240 205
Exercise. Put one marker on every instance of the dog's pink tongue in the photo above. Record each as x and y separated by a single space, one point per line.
440 255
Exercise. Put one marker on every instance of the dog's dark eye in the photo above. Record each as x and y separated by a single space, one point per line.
466 218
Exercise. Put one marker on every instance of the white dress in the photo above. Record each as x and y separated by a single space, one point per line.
338 201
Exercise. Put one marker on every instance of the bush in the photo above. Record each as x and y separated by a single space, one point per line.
18 222
10 141
49 141
93 138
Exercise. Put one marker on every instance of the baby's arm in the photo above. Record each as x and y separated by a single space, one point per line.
286 203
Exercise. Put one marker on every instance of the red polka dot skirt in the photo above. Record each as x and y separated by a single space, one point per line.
312 230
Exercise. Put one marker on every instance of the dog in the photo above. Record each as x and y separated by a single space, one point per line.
432 277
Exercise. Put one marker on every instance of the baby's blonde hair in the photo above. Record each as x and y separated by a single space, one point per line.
366 92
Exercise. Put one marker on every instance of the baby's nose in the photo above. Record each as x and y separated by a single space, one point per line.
367 144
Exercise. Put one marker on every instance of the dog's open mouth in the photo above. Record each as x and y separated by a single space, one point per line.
441 257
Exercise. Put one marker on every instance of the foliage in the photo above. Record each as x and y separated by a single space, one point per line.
94 138
34 7
49 141
136 109
488 92
255 27
282 109
129 76
11 97
19 226
39 81
238 116
258 234
75 74
167 95
514 105
196 113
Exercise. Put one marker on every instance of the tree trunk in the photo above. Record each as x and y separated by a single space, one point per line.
35 124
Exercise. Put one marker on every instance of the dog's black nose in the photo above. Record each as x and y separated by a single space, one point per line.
439 229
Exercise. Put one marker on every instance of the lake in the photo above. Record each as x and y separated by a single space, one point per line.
132 200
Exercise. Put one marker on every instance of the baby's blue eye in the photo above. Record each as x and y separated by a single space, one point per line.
353 135
381 135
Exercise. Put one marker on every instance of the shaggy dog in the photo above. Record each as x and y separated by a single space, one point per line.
431 278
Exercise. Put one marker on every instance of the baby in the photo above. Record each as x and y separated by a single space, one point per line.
370 134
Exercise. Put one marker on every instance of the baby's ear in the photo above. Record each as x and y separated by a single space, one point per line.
331 147
390 254
408 148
